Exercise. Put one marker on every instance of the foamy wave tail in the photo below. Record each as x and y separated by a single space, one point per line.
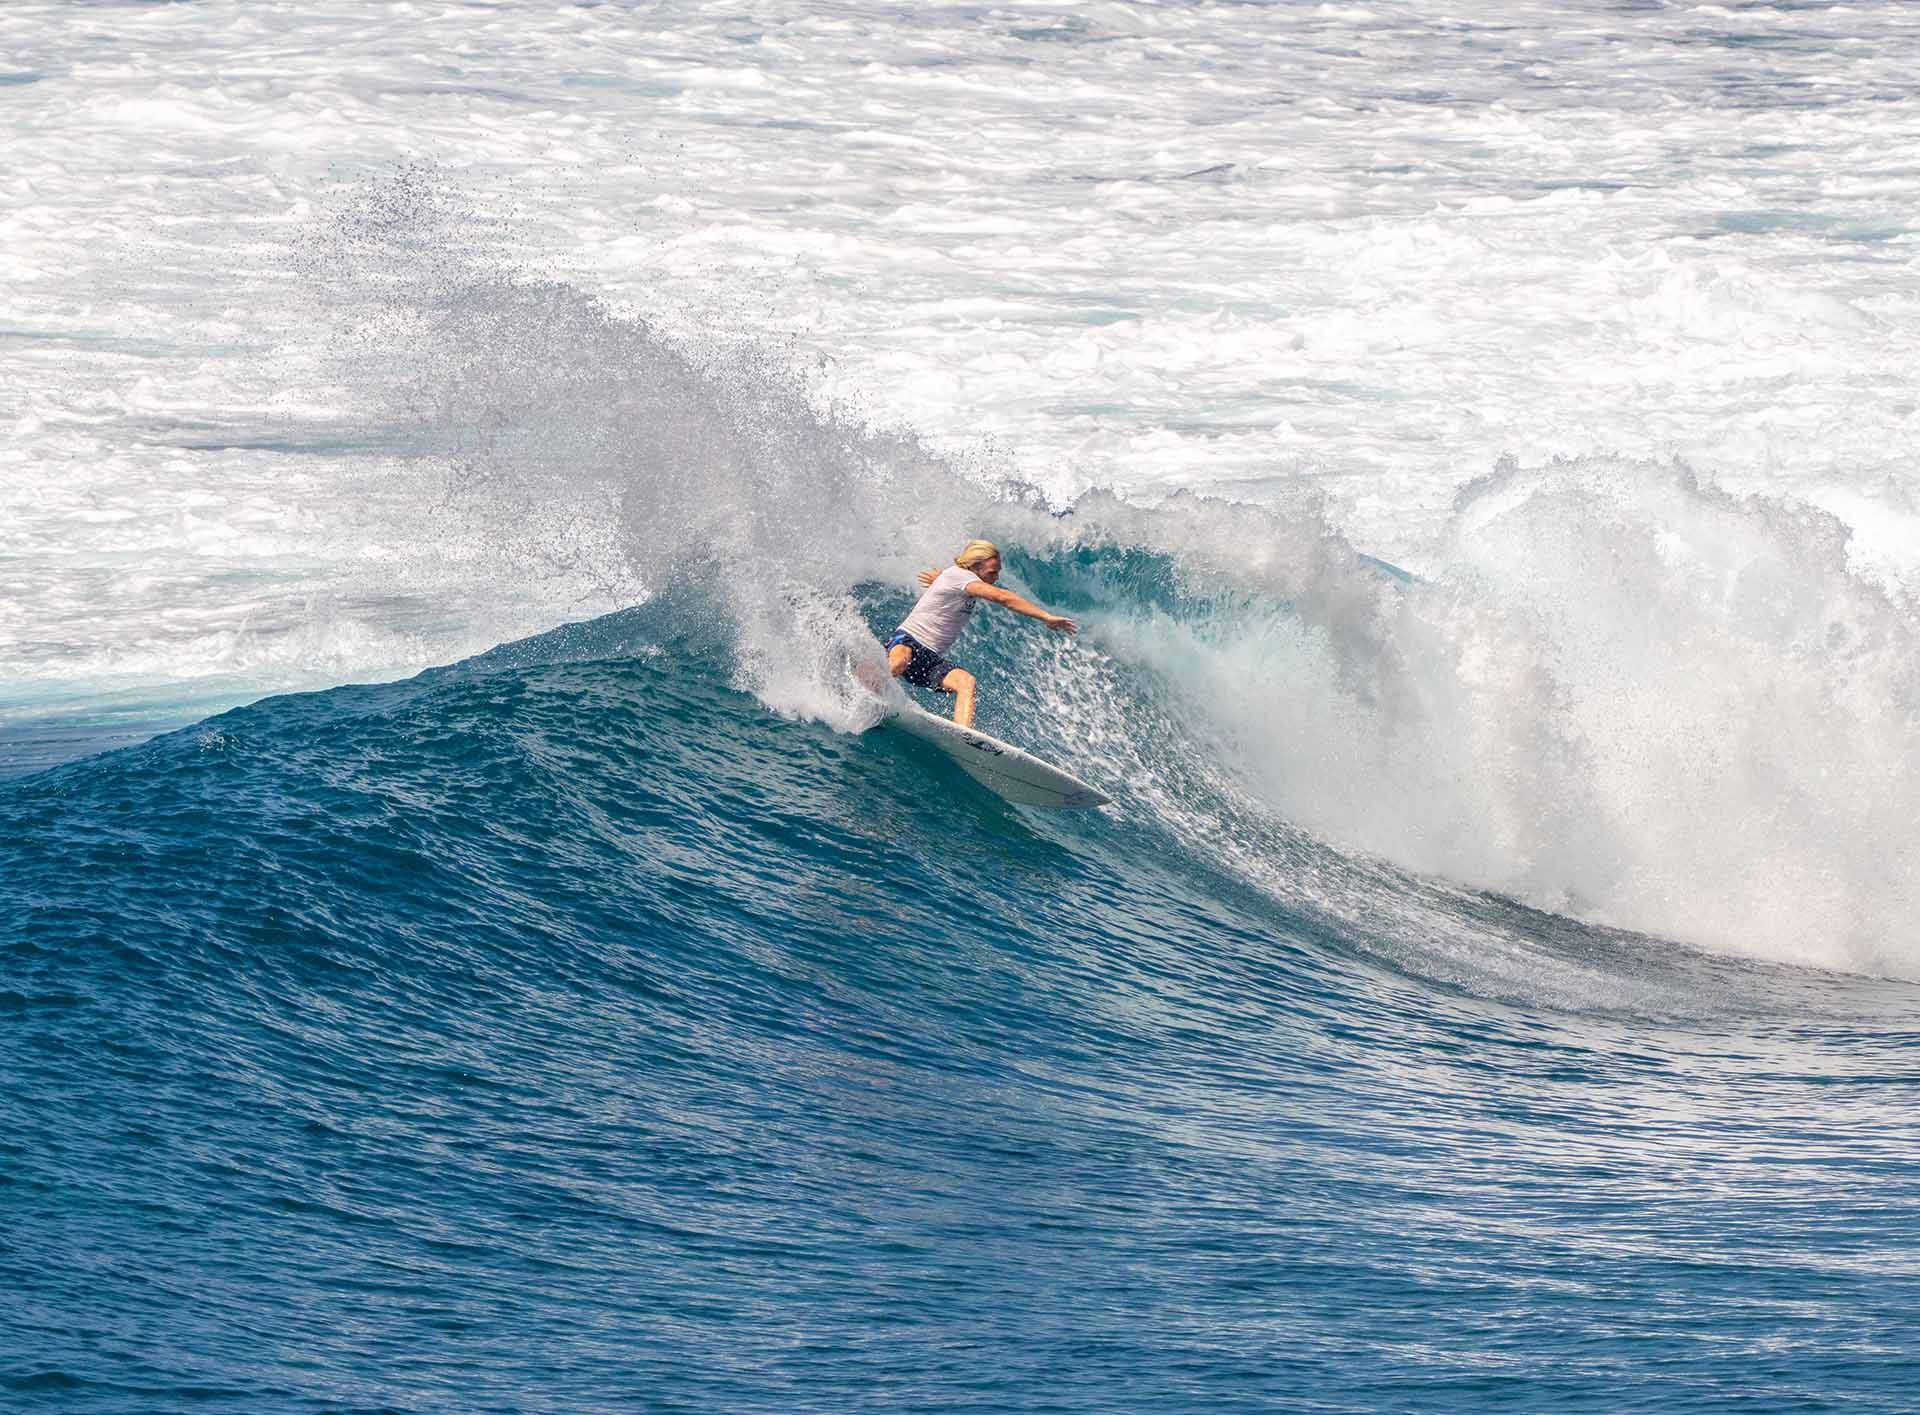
1617 693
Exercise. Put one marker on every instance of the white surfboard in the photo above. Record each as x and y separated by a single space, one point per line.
1001 767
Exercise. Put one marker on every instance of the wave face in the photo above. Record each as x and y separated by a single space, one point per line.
566 1030
1615 692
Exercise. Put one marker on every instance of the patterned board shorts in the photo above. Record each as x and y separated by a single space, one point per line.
926 667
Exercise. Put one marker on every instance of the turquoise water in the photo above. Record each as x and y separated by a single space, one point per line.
564 1031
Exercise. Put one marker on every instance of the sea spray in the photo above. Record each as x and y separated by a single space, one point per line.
1621 693
588 460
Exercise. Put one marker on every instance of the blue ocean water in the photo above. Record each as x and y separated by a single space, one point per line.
1493 986
565 1031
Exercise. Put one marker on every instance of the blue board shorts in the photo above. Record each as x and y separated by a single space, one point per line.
926 667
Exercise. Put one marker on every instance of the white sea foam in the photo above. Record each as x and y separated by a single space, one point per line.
1362 250
1627 696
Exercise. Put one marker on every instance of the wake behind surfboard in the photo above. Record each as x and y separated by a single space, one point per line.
1010 772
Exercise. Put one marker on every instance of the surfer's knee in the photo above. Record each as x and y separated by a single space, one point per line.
898 657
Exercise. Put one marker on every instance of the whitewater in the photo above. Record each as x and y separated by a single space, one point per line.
466 943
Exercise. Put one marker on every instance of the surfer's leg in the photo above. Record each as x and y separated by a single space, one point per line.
960 683
898 657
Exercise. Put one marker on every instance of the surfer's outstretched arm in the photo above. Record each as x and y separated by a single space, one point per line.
1007 599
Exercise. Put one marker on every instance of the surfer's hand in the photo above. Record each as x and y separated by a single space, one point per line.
927 577
1061 624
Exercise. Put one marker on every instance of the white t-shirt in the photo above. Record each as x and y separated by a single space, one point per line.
943 610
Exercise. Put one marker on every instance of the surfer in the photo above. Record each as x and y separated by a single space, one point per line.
915 652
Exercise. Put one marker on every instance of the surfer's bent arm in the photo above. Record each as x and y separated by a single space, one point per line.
1007 599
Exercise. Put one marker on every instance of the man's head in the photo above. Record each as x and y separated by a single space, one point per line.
982 557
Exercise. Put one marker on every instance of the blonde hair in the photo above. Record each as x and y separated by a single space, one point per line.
974 552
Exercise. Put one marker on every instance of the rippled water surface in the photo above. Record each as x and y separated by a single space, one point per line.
578 1036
